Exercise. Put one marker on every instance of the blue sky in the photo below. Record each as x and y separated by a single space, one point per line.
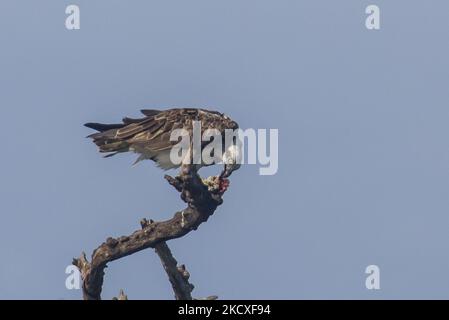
363 144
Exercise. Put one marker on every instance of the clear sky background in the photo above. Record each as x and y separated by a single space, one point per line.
363 153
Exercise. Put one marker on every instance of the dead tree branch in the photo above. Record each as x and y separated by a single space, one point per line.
201 202
121 296
178 276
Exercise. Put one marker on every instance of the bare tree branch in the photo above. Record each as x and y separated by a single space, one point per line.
178 276
121 296
201 202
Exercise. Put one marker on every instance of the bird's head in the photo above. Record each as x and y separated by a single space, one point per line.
231 160
229 123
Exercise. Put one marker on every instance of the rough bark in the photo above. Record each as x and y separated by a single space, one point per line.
202 200
178 276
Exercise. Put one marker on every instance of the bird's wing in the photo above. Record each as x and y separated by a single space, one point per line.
150 136
152 133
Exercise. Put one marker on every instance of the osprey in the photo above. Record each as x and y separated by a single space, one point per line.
150 136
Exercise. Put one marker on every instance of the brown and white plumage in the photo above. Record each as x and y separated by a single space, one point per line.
150 136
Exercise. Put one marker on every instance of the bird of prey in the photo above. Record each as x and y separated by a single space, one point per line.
149 136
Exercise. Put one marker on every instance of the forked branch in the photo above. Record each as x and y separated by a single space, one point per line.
202 200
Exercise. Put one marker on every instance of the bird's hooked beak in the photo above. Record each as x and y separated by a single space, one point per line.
229 169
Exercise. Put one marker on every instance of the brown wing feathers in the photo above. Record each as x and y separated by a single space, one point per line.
115 137
151 134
